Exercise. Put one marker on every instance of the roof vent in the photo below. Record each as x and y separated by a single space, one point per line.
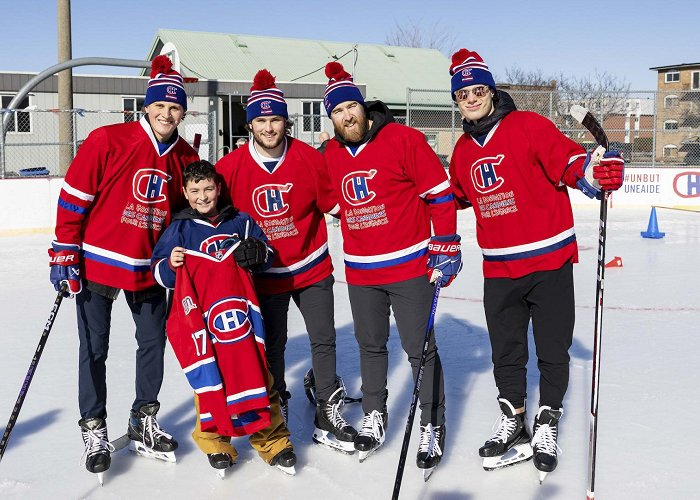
241 44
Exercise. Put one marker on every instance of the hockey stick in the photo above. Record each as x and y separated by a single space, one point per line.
32 368
416 390
585 118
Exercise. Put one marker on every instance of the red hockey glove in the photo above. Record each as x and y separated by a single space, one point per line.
611 171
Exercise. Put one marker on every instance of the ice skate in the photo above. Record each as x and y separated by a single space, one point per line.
371 435
544 440
285 461
430 448
147 438
96 458
220 461
331 428
510 443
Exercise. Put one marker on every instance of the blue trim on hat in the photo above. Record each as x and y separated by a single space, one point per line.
265 107
471 76
166 93
341 94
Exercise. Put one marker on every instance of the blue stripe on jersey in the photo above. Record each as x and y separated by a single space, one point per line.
245 418
302 269
206 375
387 263
115 263
441 199
71 207
207 418
531 253
259 395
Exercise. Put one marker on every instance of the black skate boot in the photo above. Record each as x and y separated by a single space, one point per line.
509 444
285 461
331 428
284 409
220 461
430 448
147 438
96 458
544 440
371 435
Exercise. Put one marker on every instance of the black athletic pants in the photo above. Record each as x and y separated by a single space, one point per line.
411 301
546 297
94 320
315 302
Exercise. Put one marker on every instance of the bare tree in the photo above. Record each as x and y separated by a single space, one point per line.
418 33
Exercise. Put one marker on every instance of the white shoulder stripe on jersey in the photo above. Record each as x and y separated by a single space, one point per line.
387 256
77 193
437 189
529 246
250 392
116 256
210 388
203 255
299 264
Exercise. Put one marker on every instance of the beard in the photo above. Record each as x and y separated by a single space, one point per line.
268 143
356 133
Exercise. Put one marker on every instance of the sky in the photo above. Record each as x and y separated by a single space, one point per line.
648 379
621 37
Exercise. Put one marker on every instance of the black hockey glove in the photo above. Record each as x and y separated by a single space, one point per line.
250 253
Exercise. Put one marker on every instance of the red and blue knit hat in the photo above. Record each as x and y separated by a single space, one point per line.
468 68
265 98
340 87
165 83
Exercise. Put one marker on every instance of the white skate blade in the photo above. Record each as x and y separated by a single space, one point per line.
427 473
221 473
287 470
543 474
327 439
101 478
140 449
364 455
518 453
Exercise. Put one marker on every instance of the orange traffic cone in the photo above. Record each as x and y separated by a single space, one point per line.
615 262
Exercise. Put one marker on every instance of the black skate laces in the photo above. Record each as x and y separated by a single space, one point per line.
430 440
95 441
373 425
152 431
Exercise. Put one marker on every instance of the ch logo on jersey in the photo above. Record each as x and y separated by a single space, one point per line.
484 175
216 245
467 75
149 185
228 320
188 305
269 199
356 189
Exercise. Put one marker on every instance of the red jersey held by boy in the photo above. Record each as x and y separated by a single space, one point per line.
288 199
217 334
522 224
116 200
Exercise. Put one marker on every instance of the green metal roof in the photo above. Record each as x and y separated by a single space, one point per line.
387 71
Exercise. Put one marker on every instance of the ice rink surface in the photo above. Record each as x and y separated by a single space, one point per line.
648 392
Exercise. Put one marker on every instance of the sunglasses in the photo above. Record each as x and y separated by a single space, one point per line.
463 94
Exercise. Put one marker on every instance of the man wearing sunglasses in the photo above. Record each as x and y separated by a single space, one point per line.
514 167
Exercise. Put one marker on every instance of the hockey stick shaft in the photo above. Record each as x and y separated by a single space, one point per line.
583 116
416 391
30 373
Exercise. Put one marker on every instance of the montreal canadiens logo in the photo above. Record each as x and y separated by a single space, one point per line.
467 75
687 184
484 175
356 189
228 321
265 107
269 199
214 245
171 90
149 185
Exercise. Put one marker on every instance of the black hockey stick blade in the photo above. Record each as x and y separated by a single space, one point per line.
586 118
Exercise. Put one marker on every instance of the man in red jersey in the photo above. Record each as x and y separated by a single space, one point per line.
513 167
283 184
391 189
116 200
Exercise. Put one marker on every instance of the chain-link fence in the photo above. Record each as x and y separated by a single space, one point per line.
659 129
30 143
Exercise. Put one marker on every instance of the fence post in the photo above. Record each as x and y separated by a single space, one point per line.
75 132
653 134
2 146
408 107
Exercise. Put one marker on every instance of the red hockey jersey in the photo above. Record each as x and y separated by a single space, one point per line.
217 334
289 204
516 182
390 190
116 200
